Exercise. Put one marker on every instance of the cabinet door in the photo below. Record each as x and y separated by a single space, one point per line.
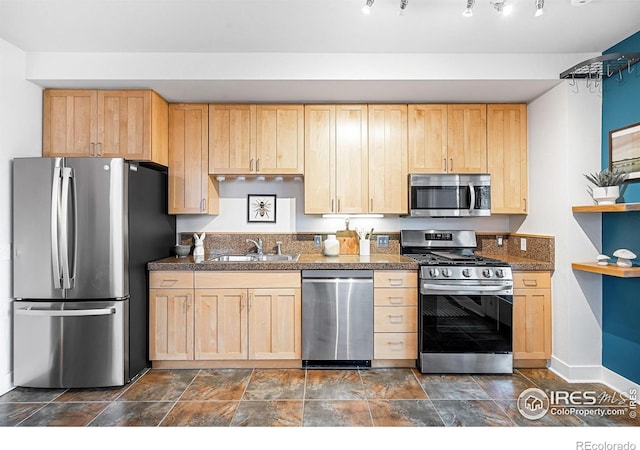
320 159
232 139
191 190
69 122
274 324
124 124
467 138
352 159
280 140
532 324
427 138
388 159
220 324
170 324
507 158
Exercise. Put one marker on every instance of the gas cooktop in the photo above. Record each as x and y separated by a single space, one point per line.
451 258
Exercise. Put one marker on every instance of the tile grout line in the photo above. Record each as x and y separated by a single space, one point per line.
413 372
304 396
366 397
175 402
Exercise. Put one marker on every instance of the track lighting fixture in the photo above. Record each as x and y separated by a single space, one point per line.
468 12
403 7
539 7
502 7
366 9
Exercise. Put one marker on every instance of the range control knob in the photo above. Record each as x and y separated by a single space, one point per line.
466 273
446 273
433 273
487 273
500 273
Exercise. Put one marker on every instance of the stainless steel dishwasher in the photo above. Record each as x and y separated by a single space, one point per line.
337 318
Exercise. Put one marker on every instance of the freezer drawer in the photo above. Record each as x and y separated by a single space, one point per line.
70 344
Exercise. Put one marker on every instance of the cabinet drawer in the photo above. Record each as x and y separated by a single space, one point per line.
395 279
395 297
171 280
270 279
400 319
531 280
395 345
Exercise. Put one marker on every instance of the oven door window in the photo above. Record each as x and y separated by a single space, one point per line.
466 323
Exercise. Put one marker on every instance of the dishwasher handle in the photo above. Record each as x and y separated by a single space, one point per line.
338 280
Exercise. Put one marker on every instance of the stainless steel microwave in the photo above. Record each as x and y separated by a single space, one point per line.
449 195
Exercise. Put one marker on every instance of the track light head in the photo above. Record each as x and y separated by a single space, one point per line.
539 8
468 12
502 7
366 9
403 7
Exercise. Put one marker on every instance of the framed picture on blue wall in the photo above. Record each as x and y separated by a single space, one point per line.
624 150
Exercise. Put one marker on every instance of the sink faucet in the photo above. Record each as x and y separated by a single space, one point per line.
258 245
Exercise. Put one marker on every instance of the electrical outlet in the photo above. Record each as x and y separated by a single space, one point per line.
317 241
523 244
383 241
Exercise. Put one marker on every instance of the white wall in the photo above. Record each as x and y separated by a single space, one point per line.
564 144
290 217
20 135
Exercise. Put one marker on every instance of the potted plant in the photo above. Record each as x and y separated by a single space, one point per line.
607 185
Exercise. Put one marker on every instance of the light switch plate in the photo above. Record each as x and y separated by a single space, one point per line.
523 244
383 241
317 240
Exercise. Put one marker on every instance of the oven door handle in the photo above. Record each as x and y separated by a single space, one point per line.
464 290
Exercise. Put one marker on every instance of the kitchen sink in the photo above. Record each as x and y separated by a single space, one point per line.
253 257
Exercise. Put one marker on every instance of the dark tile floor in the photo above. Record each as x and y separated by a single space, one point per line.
297 397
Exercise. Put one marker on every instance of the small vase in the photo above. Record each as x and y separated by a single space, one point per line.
606 195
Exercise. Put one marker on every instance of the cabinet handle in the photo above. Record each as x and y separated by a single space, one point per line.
99 148
371 209
530 282
395 281
525 204
332 201
397 344
92 149
203 205
251 165
168 283
396 319
338 205
445 164
396 300
250 300
451 165
258 165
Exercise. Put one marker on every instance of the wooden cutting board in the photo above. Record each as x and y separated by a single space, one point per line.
349 242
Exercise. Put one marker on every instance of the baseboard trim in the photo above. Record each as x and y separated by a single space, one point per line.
592 374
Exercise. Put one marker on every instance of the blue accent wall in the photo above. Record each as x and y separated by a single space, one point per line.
621 296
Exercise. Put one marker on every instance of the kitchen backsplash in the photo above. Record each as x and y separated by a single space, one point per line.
292 243
539 248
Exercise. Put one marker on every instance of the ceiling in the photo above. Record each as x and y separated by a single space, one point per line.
315 26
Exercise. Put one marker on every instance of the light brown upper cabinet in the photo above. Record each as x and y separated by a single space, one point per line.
132 124
388 159
507 157
256 139
191 189
336 159
448 138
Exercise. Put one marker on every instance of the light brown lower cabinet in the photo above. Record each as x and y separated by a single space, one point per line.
214 316
531 319
395 315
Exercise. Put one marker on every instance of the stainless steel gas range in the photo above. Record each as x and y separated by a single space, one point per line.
465 305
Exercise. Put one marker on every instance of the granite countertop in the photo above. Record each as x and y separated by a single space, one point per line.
304 262
518 263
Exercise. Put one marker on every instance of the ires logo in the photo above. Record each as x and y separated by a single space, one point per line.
576 398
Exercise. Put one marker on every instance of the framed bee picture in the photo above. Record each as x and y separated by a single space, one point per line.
261 208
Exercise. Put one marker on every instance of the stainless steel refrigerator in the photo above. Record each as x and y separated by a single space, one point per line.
83 231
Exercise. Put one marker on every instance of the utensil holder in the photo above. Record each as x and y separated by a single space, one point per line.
365 247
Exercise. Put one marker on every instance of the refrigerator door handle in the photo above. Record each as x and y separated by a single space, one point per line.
30 311
64 225
55 228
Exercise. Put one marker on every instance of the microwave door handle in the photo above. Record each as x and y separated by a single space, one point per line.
55 228
472 197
